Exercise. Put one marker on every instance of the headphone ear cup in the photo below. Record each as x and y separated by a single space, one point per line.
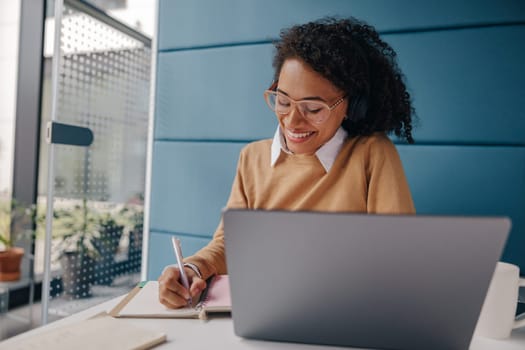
358 108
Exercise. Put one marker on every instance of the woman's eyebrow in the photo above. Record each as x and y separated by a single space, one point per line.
310 98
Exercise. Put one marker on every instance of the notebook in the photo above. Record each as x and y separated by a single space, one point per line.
367 281
99 332
143 302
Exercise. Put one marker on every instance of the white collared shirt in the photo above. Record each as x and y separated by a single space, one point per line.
326 154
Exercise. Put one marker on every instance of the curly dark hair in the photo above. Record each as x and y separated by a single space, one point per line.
350 54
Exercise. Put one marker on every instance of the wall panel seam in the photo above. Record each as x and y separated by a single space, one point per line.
416 30
413 30
218 46
398 143
187 140
464 144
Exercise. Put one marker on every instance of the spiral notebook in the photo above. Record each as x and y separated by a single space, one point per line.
143 302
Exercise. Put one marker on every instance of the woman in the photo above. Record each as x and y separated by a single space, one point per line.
337 92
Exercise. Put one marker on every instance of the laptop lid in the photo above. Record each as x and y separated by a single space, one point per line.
375 281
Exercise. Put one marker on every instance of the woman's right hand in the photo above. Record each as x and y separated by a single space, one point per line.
172 293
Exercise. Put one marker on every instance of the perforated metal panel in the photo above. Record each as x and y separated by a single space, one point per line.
103 84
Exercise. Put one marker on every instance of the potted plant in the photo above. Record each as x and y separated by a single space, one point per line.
110 231
10 259
76 230
10 255
133 214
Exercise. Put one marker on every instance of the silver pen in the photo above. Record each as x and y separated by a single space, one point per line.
178 255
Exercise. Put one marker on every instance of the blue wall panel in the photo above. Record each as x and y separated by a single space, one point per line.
161 250
468 180
215 94
190 185
191 23
467 85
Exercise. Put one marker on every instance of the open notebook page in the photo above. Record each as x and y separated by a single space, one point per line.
146 304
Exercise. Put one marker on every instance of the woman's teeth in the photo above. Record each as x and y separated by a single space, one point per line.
299 135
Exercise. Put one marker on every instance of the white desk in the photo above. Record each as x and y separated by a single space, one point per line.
217 333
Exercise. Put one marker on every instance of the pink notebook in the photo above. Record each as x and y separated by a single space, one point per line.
217 297
143 302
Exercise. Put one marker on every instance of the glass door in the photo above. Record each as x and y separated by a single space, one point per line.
97 160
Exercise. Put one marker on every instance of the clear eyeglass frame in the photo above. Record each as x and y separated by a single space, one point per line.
316 112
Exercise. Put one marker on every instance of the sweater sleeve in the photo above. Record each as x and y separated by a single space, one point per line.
388 191
211 259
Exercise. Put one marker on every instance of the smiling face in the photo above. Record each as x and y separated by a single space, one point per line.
300 82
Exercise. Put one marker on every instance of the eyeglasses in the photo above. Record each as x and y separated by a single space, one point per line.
316 112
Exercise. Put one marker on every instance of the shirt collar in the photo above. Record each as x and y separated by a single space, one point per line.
326 154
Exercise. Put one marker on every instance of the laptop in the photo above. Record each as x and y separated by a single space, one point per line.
369 281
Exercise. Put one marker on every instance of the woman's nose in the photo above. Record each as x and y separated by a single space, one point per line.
294 117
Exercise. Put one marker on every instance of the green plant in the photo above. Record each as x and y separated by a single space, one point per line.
85 230
18 218
5 222
132 216
75 229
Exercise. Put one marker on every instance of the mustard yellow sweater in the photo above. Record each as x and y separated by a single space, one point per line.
366 177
